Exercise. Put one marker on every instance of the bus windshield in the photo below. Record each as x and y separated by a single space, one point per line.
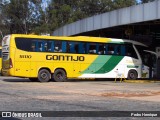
148 57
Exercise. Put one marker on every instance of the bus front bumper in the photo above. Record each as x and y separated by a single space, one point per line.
5 72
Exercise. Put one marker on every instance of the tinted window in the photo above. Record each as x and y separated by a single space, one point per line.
101 49
24 44
92 48
40 45
130 51
58 46
82 48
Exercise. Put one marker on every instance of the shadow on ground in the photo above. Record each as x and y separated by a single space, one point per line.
77 80
16 80
69 80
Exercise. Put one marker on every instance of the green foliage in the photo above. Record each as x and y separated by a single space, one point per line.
30 16
19 15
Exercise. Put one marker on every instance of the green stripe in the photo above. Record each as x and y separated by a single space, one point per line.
97 64
103 64
110 64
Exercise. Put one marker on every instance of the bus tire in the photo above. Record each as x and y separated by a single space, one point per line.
60 75
44 75
132 75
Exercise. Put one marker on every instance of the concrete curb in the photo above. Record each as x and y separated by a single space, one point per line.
142 81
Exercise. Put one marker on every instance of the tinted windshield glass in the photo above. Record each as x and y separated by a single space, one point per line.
147 58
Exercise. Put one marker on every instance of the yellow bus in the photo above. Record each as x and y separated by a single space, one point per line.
60 58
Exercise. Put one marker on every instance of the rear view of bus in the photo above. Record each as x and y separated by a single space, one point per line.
6 61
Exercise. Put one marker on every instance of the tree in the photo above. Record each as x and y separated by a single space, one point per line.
20 15
123 3
30 16
63 12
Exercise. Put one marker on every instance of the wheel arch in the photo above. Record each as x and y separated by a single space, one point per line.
62 69
44 68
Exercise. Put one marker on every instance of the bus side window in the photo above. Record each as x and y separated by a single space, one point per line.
33 46
101 49
64 47
106 49
117 50
72 47
40 46
123 50
45 45
50 46
110 49
92 48
58 46
76 47
82 48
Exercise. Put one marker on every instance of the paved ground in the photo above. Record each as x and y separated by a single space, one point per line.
80 95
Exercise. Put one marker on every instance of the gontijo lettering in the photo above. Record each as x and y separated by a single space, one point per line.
65 57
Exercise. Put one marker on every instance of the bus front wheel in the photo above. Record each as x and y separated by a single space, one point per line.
132 75
44 75
60 75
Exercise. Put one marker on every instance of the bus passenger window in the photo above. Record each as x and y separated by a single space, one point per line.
40 46
92 48
101 49
110 49
117 50
123 50
58 46
64 47
82 48
45 46
50 46
76 48
72 47
33 46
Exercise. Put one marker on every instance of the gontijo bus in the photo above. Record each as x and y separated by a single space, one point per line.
60 58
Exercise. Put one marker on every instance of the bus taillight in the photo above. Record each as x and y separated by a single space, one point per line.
10 63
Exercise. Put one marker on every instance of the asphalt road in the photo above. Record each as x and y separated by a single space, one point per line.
17 94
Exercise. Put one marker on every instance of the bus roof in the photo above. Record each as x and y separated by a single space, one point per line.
81 38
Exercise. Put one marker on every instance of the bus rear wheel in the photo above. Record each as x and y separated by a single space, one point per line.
44 75
60 75
132 75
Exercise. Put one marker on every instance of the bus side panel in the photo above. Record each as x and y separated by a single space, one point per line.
21 63
76 70
37 65
112 68
22 69
34 69
131 64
